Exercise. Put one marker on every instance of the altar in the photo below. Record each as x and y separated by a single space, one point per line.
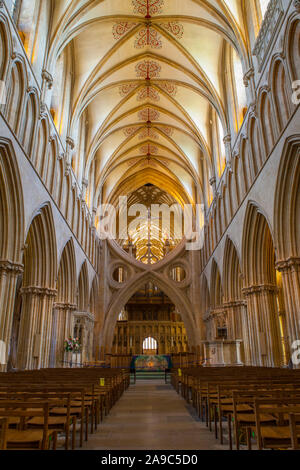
151 363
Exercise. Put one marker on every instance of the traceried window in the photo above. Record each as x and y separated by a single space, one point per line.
150 344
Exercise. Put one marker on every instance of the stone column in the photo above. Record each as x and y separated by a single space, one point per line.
8 280
62 328
35 328
263 321
290 270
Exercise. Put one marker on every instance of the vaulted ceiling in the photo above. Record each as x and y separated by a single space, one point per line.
147 79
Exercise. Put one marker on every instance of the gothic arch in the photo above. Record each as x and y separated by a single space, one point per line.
125 294
38 290
261 290
29 125
280 93
62 320
266 113
292 48
287 202
258 253
205 297
66 281
83 289
216 290
231 273
5 47
17 81
11 205
11 238
40 255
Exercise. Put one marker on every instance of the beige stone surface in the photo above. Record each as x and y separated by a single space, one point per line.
152 416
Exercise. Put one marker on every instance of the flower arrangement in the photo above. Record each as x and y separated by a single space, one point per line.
72 345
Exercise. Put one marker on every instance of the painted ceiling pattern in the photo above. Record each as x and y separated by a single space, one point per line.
148 81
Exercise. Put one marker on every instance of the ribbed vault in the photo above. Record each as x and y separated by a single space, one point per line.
149 90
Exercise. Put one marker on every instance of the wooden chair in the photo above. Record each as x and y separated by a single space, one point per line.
3 432
295 430
27 438
278 435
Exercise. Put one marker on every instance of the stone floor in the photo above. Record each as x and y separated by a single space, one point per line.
152 416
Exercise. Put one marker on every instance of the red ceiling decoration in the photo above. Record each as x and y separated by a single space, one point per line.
148 93
148 114
169 88
120 29
127 88
148 8
133 162
129 131
148 69
167 130
174 28
148 36
149 149
148 133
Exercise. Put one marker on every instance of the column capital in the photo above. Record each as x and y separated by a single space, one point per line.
39 291
234 304
64 306
259 289
11 267
289 264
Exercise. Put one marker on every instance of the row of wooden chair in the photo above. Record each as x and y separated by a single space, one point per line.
37 406
260 404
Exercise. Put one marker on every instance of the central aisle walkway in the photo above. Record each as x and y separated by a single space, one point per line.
152 416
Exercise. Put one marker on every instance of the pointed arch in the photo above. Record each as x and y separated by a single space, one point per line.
94 295
5 47
231 273
83 289
40 255
66 281
287 201
280 93
292 48
17 81
216 290
29 124
258 251
11 205
266 113
125 294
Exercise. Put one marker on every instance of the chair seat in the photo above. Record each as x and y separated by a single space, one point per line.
275 432
63 411
250 418
52 421
14 421
27 437
229 408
